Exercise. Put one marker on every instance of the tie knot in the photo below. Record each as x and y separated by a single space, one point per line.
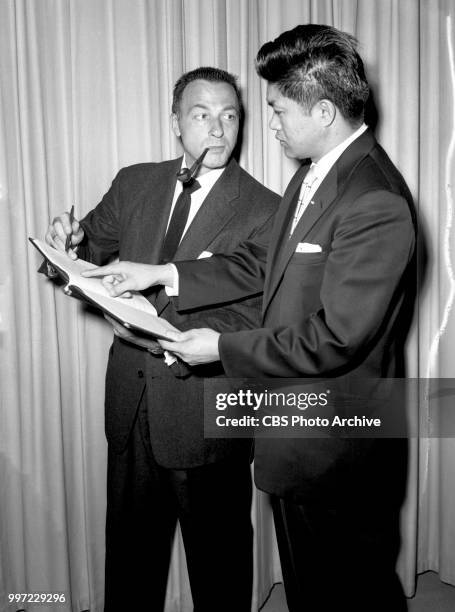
191 186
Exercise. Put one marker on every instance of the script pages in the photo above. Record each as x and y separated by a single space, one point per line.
135 313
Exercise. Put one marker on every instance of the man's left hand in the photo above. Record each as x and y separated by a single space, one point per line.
195 346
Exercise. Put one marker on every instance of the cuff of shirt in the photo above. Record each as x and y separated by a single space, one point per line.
174 290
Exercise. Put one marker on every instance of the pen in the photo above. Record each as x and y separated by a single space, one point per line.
68 238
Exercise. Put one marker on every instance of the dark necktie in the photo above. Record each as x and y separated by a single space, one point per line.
178 222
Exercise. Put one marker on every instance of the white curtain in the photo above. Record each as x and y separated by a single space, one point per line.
86 89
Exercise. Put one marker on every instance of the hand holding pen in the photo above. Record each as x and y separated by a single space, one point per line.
68 236
65 233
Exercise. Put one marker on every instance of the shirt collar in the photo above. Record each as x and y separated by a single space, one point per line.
323 166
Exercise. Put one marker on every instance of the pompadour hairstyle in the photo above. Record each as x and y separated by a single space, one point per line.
207 73
316 62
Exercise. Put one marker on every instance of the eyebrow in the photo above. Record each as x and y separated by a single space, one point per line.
205 107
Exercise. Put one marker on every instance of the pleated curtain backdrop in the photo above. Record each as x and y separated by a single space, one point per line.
85 90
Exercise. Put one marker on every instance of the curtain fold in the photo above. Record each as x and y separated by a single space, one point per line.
436 536
85 89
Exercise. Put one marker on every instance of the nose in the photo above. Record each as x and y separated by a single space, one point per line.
274 123
216 128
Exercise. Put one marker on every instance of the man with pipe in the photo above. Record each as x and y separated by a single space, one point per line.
337 275
160 468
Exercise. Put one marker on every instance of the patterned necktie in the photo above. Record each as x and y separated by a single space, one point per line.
303 201
178 222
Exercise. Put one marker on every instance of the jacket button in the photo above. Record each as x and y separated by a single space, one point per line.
140 373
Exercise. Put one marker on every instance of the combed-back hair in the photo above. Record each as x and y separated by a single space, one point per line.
316 62
207 73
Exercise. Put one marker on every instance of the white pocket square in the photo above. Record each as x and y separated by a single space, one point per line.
205 254
307 247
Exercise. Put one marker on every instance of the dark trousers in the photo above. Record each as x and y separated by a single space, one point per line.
144 501
340 553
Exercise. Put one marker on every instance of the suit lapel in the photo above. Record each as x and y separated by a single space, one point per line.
217 209
331 188
281 224
153 213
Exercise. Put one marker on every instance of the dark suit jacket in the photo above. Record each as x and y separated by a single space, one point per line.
338 312
131 222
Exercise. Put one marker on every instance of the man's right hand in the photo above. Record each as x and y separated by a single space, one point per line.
59 229
125 276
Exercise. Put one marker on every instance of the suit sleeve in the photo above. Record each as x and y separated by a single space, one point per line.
245 314
223 279
362 286
101 227
229 312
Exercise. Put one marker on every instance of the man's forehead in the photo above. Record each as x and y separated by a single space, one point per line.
203 92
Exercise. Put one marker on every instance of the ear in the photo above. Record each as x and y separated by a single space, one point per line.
175 125
327 112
